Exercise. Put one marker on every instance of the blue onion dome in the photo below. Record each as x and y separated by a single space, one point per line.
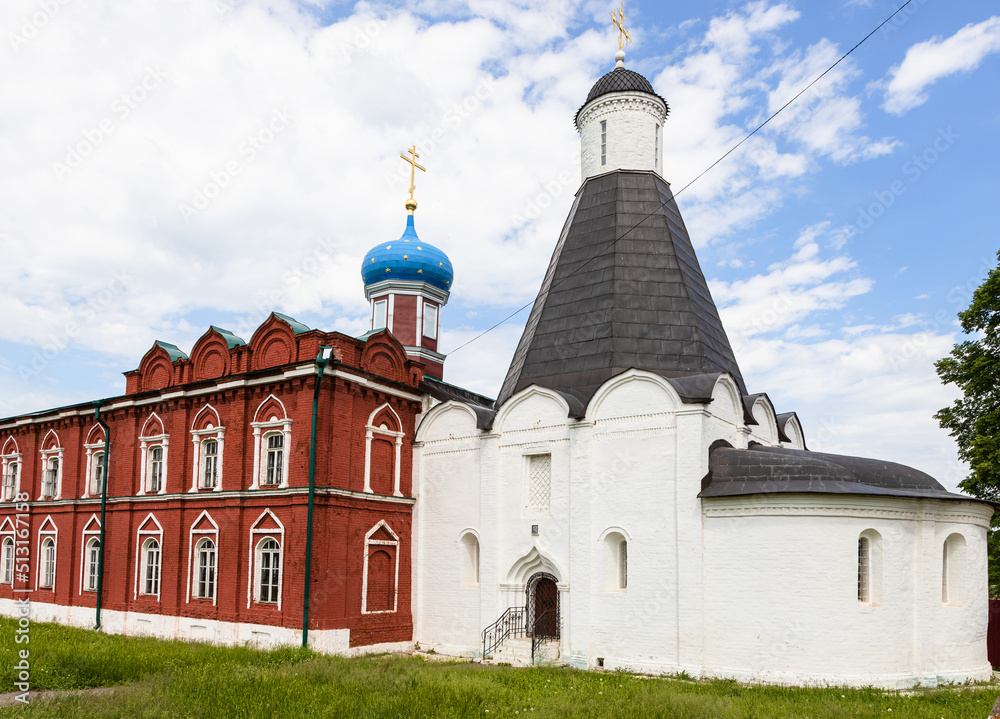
408 258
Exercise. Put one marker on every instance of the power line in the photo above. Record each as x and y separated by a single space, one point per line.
730 151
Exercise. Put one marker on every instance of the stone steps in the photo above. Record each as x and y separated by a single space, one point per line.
517 652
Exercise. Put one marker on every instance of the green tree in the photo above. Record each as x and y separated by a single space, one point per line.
974 419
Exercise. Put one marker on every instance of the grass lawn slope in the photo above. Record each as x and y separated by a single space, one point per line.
155 678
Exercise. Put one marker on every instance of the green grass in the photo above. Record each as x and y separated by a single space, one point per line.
174 679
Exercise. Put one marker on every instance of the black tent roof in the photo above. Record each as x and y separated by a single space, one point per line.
623 290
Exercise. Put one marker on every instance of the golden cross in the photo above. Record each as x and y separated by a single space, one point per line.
618 19
411 204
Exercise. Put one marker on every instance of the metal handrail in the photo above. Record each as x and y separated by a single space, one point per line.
538 637
510 623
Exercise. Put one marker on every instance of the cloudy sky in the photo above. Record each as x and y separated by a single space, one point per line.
165 166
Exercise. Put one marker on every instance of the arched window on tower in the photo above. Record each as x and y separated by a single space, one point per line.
604 142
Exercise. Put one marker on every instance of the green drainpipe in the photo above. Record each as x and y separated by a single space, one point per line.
322 360
104 503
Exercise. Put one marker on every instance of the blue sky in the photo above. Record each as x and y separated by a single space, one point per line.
839 243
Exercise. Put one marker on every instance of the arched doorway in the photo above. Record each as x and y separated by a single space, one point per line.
543 606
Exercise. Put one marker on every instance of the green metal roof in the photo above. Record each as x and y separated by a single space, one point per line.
231 339
297 327
172 350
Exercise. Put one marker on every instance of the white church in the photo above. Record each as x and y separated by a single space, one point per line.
627 503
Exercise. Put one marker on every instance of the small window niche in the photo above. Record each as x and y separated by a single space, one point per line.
870 568
953 571
615 562
470 560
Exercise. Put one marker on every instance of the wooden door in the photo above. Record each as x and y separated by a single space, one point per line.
546 608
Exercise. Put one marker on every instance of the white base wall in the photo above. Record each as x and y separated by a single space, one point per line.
263 636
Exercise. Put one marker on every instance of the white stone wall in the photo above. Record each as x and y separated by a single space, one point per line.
761 588
782 599
632 118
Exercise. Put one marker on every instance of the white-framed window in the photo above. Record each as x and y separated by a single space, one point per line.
47 578
204 586
209 464
46 552
470 559
953 571
604 142
274 459
154 454
150 567
148 558
538 490
265 560
154 474
380 314
11 480
268 571
97 474
203 543
10 470
52 466
8 561
271 454
90 546
869 568
656 148
430 321
208 438
91 562
379 593
50 478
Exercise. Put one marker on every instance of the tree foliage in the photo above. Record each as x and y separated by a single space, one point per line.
974 420
974 367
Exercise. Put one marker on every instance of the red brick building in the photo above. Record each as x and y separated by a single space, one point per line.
208 491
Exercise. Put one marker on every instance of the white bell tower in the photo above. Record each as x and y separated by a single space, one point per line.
621 124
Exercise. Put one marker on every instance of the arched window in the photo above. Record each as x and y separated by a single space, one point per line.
150 567
48 578
8 561
274 444
470 560
205 558
268 570
953 571
97 474
92 559
869 567
615 562
209 463
154 474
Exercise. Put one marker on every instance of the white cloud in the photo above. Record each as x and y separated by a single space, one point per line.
790 346
929 61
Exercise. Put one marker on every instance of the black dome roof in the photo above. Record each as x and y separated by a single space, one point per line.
620 80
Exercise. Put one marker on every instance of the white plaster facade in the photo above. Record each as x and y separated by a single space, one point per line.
633 134
761 588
